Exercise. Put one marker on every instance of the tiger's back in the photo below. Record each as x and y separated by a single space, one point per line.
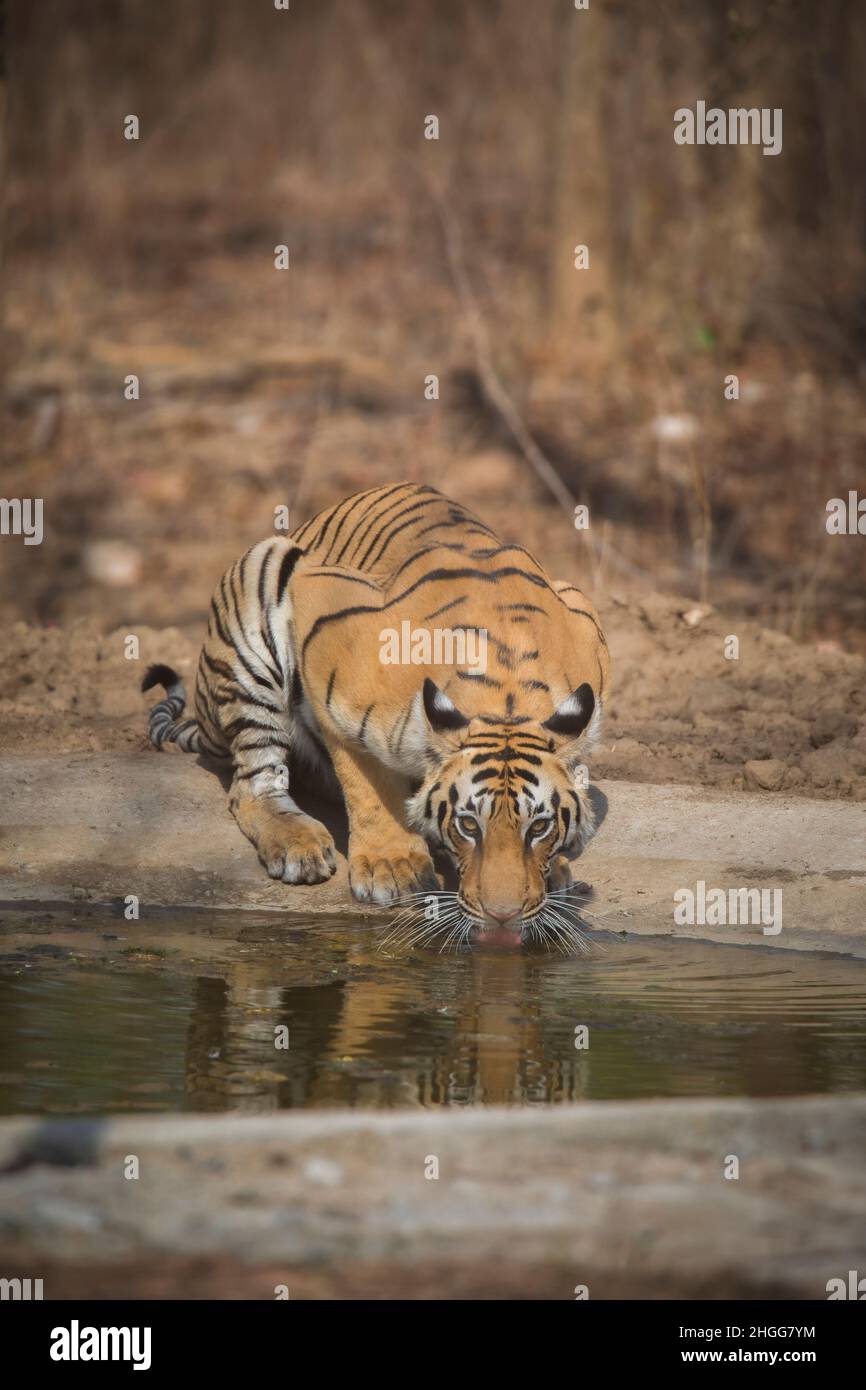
408 555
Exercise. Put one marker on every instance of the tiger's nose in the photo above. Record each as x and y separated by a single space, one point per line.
503 916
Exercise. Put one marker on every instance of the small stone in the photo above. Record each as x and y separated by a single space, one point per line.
765 774
323 1171
113 563
675 429
695 616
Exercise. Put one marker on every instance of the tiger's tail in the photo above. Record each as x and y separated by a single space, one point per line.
163 726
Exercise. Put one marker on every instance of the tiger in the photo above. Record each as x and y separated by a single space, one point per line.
481 764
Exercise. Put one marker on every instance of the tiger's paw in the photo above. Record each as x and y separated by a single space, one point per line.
296 849
386 879
559 874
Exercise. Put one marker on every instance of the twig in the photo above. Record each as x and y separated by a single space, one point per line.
494 386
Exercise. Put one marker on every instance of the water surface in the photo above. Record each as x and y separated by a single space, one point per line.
187 1017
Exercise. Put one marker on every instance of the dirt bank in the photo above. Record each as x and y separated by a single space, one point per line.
782 717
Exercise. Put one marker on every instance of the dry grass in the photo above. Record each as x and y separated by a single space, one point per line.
306 127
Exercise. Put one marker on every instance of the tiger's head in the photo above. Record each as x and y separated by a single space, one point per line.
503 798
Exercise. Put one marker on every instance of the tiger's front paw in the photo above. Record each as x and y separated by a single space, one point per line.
383 875
559 874
296 848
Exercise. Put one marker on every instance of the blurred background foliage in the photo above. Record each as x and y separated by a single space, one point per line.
454 257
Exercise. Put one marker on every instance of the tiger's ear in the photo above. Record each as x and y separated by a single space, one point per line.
442 715
573 714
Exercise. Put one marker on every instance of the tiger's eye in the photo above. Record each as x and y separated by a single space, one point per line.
468 825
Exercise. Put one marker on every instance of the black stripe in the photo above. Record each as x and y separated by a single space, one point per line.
486 577
335 511
242 636
416 507
479 679
579 612
454 546
265 558
246 697
444 609
336 574
507 755
224 669
257 746
241 725
358 539
363 727
330 689
267 636
219 667
505 655
254 772
443 526
500 550
301 531
379 523
403 727
290 559
360 498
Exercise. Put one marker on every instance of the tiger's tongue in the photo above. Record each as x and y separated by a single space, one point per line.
504 937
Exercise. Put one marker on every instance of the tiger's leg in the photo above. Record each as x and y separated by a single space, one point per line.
243 700
386 859
558 874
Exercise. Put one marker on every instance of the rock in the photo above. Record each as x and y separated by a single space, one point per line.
766 773
695 616
113 563
529 1201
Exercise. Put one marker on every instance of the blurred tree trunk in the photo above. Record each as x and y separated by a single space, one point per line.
3 175
579 197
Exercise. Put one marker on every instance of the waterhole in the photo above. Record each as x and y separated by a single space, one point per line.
249 1014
